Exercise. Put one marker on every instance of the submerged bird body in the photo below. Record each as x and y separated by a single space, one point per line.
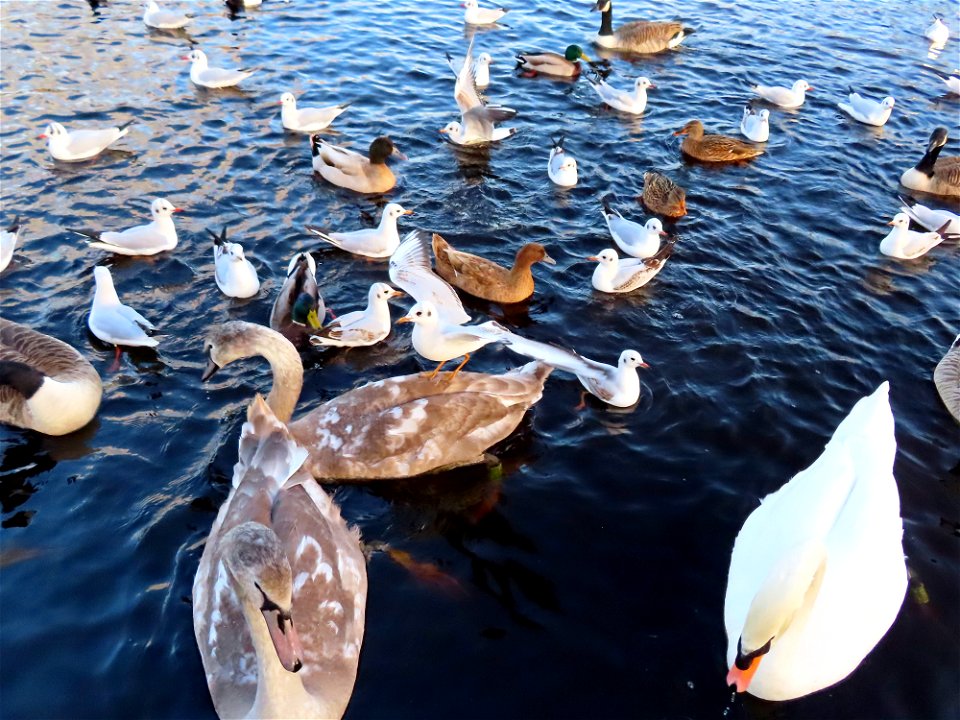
360 328
946 376
641 36
755 125
934 174
279 598
393 428
714 148
112 321
158 236
307 120
613 275
561 166
485 279
45 384
8 243
640 241
792 97
817 575
156 17
663 196
78 145
634 102
235 275
299 309
353 171
213 77
867 110
379 242
906 244
937 33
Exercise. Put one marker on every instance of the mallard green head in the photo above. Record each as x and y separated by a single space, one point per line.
575 52
305 311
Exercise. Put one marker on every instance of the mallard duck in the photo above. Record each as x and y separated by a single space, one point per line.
392 428
361 328
485 279
817 575
551 63
235 275
307 120
351 170
714 148
280 594
158 236
946 376
663 196
640 36
299 309
80 145
213 77
8 243
934 174
45 385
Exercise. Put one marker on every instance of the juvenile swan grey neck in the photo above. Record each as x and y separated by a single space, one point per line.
237 340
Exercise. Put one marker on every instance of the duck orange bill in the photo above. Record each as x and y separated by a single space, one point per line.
285 639
742 678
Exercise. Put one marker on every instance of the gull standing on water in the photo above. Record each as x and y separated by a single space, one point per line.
77 145
155 237
213 77
379 242
112 321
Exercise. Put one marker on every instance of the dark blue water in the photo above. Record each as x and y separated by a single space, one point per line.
587 579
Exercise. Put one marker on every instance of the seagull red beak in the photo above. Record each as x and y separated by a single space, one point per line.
184 57
593 258
179 210
42 136
643 365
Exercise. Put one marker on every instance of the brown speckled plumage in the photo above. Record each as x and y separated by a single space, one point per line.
663 196
714 148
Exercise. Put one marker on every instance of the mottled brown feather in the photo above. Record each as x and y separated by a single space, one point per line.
714 148
946 377
646 37
947 170
485 279
663 196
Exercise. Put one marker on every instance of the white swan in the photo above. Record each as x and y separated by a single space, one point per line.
817 574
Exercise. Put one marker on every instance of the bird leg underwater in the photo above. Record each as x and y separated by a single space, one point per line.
116 360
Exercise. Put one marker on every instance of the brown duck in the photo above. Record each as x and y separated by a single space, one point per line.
485 279
663 196
714 148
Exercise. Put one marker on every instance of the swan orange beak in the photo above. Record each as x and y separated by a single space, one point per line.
742 678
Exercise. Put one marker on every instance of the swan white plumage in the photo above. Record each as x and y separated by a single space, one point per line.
817 574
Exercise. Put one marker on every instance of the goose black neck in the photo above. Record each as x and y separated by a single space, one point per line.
21 377
929 160
606 21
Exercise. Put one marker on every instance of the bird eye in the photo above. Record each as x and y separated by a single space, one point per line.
419 314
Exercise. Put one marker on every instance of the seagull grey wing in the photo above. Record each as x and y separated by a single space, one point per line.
220 75
84 141
133 316
465 91
560 358
629 232
119 326
411 270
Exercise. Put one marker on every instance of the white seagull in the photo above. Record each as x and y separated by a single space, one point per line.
213 77
784 97
80 144
951 80
931 219
360 328
307 120
867 110
561 167
155 237
8 241
937 33
906 244
640 241
634 102
410 270
440 341
476 15
156 17
755 125
235 275
613 275
112 321
478 119
379 242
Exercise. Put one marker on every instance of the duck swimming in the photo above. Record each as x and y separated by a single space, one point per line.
353 171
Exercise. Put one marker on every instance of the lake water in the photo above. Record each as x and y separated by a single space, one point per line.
587 579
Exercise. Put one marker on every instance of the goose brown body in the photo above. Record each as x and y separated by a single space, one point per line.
485 279
714 148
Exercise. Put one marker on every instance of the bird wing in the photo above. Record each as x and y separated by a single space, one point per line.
133 316
411 270
561 358
115 325
465 91
85 141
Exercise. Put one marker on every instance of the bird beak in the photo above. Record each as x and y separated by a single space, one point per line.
549 260
399 154
184 57
680 132
643 365
408 212
42 136
210 370
312 319
584 56
179 210
593 258
443 131
285 639
397 293
741 678
405 319
891 223
809 88
663 233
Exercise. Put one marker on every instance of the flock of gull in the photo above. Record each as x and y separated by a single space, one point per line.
817 573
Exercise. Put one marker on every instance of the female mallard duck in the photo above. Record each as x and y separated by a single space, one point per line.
485 279
714 148
946 377
280 593
45 385
934 174
298 309
551 63
640 36
351 170
663 196
393 428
